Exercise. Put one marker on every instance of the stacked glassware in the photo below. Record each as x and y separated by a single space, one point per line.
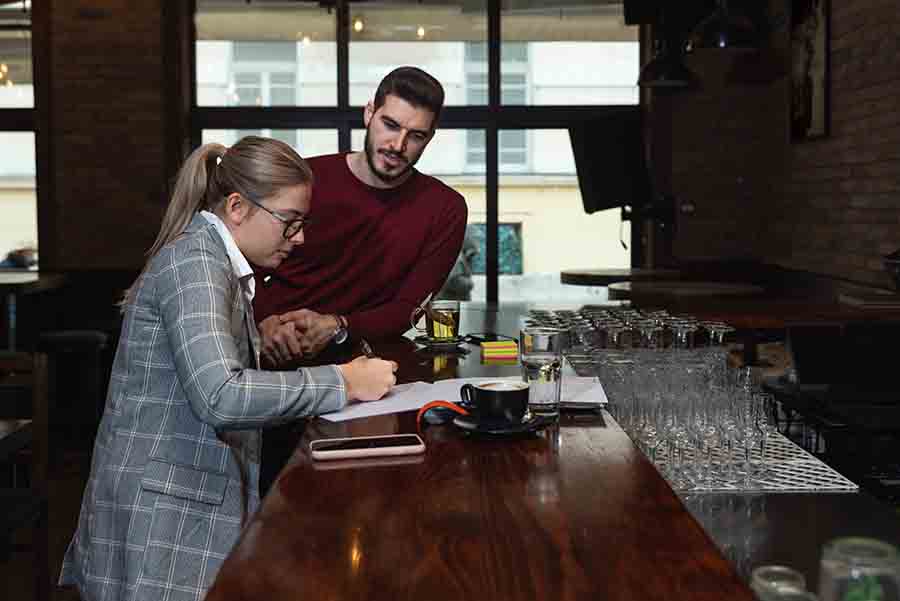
702 422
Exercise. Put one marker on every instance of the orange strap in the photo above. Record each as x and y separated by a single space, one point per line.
431 405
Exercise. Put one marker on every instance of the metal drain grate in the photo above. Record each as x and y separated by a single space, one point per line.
788 469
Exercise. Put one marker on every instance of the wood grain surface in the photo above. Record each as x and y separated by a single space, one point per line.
573 512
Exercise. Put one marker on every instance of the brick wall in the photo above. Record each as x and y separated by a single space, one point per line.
840 211
106 118
830 206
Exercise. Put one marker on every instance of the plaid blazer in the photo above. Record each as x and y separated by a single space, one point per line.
176 460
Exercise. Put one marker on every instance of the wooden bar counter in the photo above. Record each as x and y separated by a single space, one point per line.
574 512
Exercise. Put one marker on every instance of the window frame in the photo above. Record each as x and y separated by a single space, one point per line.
344 117
25 119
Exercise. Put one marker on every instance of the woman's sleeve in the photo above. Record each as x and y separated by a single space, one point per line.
197 294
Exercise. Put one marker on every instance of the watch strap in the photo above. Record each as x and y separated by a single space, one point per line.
340 334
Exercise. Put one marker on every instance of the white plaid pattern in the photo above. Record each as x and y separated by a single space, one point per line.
162 507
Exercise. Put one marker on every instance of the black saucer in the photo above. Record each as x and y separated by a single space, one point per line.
497 428
442 345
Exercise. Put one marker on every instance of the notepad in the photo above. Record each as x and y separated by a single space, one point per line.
500 349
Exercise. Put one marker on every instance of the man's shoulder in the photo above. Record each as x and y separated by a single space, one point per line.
440 191
325 162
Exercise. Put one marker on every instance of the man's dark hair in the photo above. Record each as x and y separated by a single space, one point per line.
413 85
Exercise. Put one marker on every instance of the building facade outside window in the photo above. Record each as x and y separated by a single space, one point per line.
584 56
265 74
514 85
18 190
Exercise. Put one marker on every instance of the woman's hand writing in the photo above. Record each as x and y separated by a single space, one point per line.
368 379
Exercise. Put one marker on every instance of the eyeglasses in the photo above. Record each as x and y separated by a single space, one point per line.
291 226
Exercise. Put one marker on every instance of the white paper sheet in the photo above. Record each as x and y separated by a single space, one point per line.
408 397
584 391
403 397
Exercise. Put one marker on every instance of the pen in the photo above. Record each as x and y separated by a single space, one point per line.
366 348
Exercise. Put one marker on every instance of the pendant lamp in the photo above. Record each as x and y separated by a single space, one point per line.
724 28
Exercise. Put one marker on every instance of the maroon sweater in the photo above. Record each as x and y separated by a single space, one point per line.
370 254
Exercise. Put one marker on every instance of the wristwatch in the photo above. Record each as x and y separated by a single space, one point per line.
340 334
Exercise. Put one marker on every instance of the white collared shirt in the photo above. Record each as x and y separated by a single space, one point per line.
239 263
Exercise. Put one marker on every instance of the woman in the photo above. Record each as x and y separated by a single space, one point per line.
176 460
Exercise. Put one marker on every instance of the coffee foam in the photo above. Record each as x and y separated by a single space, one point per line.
502 385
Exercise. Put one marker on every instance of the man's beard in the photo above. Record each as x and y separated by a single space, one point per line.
385 177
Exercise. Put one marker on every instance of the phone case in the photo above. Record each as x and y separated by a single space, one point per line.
368 462
323 454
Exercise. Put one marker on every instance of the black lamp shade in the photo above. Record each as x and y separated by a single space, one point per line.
667 71
724 29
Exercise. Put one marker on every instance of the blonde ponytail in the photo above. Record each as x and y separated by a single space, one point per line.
190 194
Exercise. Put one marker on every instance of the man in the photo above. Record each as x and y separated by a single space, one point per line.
384 237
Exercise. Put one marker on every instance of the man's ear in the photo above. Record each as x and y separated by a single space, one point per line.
368 112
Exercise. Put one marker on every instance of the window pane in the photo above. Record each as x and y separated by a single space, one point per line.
445 159
248 96
513 78
283 79
16 83
248 79
18 200
288 48
513 151
433 36
540 209
282 96
570 55
265 52
288 136
307 142
510 243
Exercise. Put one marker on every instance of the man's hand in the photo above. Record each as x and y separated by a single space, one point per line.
280 340
314 329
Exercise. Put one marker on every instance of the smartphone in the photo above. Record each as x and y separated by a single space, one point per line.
366 446
486 337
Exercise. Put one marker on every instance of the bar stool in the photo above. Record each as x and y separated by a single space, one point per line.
77 374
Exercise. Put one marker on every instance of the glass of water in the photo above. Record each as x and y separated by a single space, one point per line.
859 568
540 352
774 582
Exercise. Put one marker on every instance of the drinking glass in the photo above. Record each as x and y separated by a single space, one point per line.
717 331
768 427
683 329
859 568
774 582
650 332
540 352
441 320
